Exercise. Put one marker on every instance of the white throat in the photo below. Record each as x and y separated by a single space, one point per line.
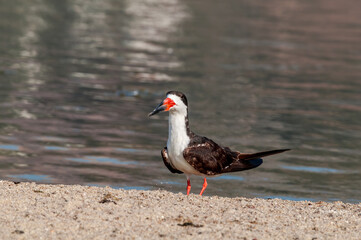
178 139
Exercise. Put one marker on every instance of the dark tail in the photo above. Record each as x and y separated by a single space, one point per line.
247 161
250 156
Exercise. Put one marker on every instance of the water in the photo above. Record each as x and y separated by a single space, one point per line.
78 78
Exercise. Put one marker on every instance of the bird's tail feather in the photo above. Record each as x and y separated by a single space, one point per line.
250 156
250 160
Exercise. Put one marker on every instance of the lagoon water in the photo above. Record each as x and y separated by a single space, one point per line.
78 78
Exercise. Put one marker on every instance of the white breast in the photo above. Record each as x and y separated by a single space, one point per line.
178 140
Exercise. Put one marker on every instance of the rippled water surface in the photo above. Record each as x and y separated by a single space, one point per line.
78 78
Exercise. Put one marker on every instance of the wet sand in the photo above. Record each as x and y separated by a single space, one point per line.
38 211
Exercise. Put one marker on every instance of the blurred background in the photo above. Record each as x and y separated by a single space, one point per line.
78 78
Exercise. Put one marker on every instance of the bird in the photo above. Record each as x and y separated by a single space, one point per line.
191 154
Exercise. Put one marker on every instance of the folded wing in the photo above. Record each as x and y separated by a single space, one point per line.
207 157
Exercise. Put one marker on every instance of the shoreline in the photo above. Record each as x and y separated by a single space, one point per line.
41 211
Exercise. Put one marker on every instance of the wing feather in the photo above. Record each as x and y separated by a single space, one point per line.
167 163
207 157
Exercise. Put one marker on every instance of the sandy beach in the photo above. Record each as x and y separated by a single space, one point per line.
38 211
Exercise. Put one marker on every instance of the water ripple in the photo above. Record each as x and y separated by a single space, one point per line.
10 147
313 169
32 177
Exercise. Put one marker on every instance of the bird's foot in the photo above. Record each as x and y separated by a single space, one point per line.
204 186
188 186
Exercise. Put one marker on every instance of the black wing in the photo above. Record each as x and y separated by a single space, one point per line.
247 161
208 157
167 162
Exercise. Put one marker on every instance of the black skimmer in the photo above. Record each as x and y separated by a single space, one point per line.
191 154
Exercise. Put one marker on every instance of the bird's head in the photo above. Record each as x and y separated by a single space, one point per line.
174 102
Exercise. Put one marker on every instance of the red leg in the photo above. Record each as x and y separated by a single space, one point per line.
188 186
204 186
